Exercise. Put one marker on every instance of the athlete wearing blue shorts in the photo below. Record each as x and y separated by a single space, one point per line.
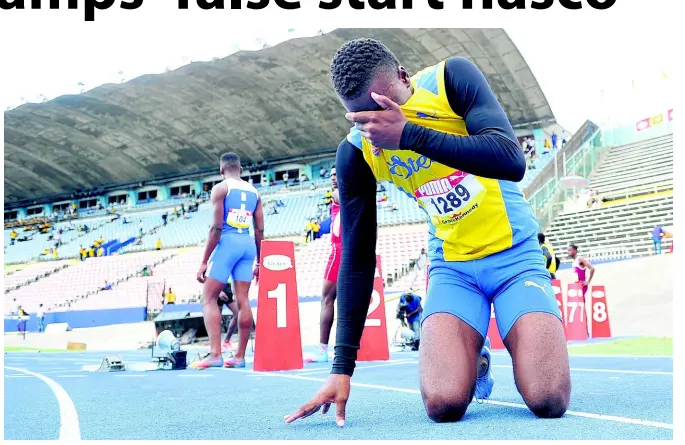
443 139
231 252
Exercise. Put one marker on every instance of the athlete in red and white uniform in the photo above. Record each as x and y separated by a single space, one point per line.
330 277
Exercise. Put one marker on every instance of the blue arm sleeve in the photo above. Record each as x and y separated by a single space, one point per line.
491 150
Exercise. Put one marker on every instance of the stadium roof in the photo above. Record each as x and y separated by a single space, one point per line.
265 105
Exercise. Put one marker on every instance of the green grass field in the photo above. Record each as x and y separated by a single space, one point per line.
23 349
647 346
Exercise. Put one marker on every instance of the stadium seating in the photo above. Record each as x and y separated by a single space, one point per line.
80 281
636 182
38 242
647 163
32 273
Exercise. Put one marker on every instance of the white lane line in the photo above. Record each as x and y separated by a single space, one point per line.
130 375
490 402
609 371
68 418
325 371
18 376
572 355
195 375
69 376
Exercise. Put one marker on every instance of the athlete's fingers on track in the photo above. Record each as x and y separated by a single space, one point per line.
304 411
326 407
340 412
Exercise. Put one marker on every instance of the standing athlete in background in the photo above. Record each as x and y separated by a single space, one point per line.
581 266
442 137
330 278
230 252
551 261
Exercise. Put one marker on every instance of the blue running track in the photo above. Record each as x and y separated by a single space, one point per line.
48 396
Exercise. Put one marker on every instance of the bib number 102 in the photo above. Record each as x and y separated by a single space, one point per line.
452 200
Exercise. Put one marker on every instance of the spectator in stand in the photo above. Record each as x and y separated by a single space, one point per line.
101 251
554 140
82 253
140 228
170 297
563 142
91 252
285 179
315 228
183 207
158 244
309 231
420 265
657 234
165 215
322 172
548 146
55 254
107 286
40 316
13 237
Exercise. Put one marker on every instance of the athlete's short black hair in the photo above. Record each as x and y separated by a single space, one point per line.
573 246
541 238
355 64
230 161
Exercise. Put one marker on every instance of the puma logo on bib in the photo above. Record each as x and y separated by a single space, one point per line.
451 198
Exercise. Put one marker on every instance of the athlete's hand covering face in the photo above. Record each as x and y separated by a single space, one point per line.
383 129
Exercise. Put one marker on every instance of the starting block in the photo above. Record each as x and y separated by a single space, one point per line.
374 342
278 340
167 354
111 363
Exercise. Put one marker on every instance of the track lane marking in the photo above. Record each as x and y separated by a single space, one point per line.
68 418
609 371
617 419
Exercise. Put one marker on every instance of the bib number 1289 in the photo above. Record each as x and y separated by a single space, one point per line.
452 200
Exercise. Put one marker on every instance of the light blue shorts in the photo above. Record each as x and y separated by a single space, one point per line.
233 257
514 280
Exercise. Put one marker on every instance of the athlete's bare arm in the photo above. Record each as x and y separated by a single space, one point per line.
357 192
491 150
219 192
258 227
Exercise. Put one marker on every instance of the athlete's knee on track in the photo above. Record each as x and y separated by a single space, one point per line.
548 402
447 406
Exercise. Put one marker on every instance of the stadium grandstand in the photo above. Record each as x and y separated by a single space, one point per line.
106 192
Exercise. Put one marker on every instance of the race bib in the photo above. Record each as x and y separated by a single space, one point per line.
451 198
238 218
